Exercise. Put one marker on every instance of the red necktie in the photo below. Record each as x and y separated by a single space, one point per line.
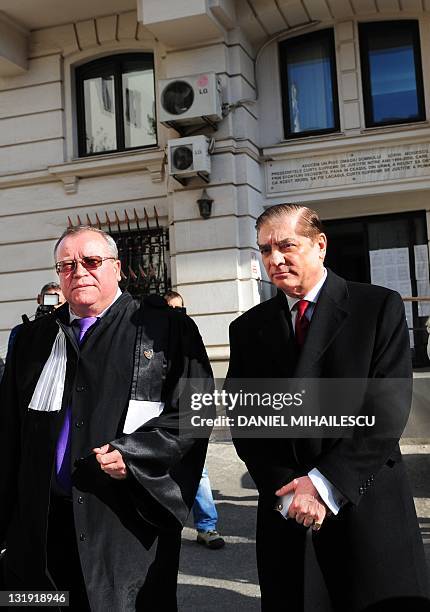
302 322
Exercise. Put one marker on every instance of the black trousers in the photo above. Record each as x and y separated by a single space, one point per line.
64 565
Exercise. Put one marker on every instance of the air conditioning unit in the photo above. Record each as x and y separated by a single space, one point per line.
189 157
190 100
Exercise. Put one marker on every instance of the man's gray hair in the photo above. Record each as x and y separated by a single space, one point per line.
70 231
308 222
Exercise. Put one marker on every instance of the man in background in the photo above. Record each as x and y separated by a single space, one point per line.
204 510
45 305
50 289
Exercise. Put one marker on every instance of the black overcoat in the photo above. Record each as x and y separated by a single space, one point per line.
372 550
122 527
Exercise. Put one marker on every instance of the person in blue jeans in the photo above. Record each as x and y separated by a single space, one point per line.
204 511
205 515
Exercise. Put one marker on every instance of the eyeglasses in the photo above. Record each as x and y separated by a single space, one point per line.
89 263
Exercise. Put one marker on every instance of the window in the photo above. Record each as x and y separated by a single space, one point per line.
392 74
309 85
116 104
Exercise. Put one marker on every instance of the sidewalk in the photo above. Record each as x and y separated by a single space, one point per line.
226 579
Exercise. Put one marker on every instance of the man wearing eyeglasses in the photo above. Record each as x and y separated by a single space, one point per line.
96 481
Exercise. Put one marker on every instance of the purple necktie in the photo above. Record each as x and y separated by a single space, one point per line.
63 470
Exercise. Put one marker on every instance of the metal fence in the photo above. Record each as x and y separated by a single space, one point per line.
142 249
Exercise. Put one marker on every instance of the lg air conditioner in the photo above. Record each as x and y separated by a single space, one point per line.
190 100
189 156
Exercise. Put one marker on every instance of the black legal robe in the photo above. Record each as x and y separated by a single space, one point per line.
123 527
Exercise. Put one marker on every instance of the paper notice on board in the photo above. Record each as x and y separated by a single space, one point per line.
378 276
421 253
409 315
410 322
399 256
390 268
403 287
377 272
423 290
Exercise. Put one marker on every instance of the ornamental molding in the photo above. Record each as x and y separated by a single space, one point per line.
71 172
342 168
340 143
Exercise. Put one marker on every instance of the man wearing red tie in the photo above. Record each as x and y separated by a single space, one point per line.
352 492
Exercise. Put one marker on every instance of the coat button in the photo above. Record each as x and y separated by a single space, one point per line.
80 388
80 499
79 424
82 537
361 490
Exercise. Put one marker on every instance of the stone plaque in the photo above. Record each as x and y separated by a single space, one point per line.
338 169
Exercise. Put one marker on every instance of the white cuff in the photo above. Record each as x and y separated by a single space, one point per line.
328 492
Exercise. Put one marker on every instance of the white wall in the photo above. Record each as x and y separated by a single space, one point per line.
210 259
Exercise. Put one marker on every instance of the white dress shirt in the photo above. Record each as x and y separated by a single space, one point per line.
327 491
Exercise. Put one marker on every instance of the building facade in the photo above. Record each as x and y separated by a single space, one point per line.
325 102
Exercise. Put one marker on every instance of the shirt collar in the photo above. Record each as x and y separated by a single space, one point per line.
73 316
311 296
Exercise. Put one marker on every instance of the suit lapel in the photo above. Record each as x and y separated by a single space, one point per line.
330 314
275 334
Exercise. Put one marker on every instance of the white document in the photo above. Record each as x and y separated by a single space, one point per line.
397 256
410 322
139 412
421 262
402 287
409 314
423 287
377 272
389 267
